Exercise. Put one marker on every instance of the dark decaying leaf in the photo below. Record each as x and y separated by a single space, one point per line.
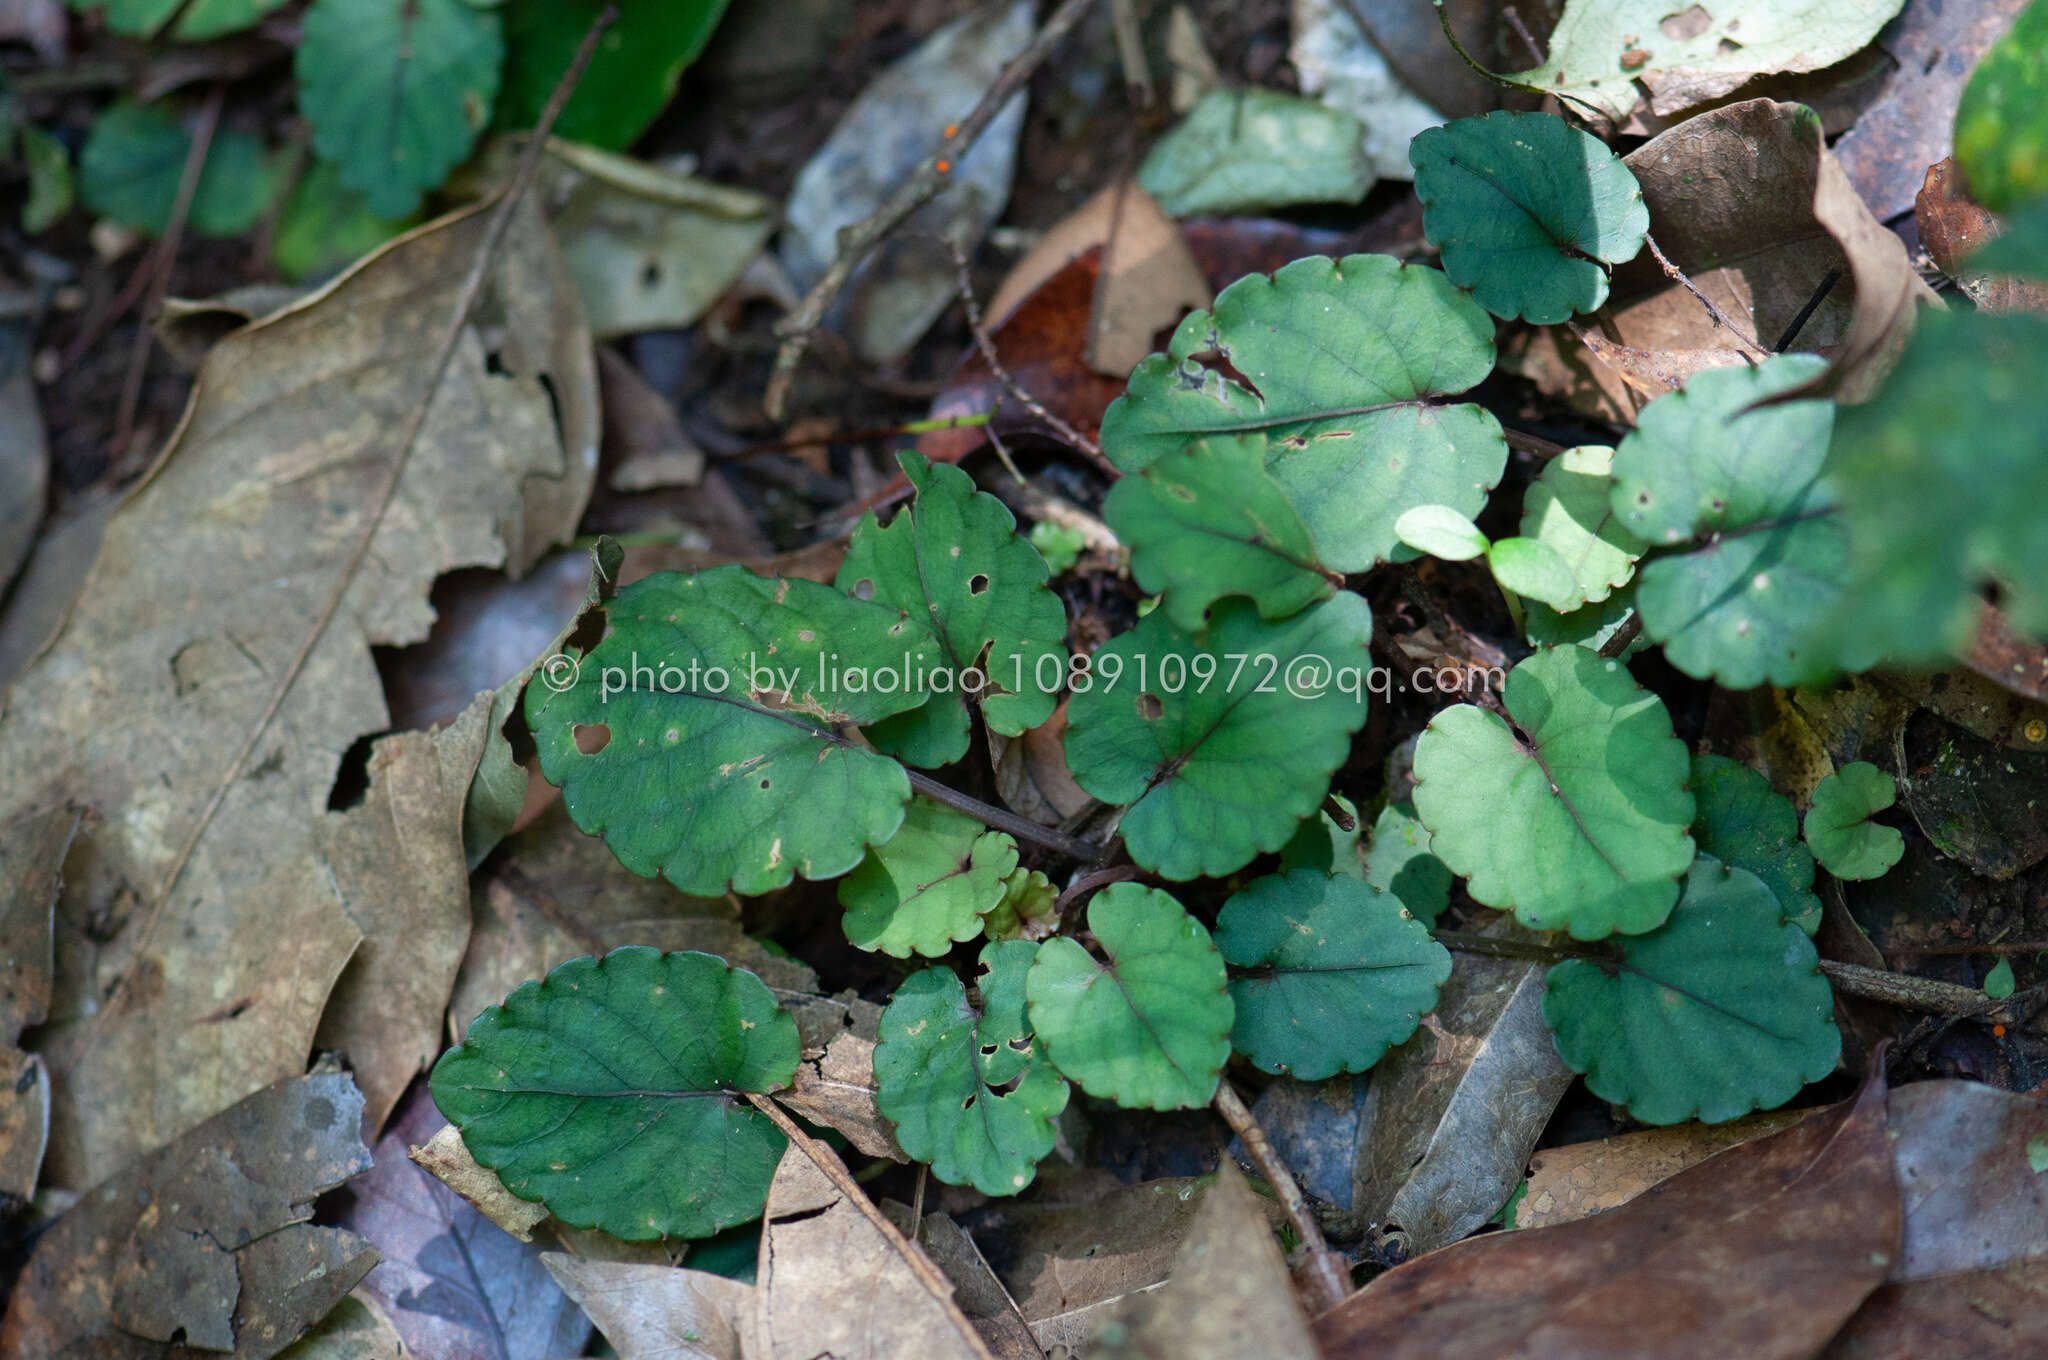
32 849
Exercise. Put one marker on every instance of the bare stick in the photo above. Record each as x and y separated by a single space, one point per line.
1677 275
827 1161
1911 993
922 186
1090 883
466 296
1130 51
1329 1279
1023 828
1619 641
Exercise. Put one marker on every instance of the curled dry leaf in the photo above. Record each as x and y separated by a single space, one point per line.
206 585
1952 225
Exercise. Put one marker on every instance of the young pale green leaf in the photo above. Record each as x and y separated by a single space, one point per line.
1578 820
1568 508
927 886
1999 982
968 1090
396 91
1222 741
1334 972
1398 861
1746 824
1720 1011
1156 1036
953 559
1600 48
1751 597
1838 826
605 1092
1205 522
135 155
1533 569
1345 361
717 697
1322 845
1441 532
1028 911
1248 151
1527 210
2002 121
1587 626
1942 484
325 226
632 75
1059 544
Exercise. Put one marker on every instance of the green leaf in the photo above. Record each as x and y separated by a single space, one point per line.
1942 482
1205 522
1398 861
604 1092
1533 569
1998 983
1838 826
968 1090
134 158
2021 249
1157 1036
1569 508
1345 360
1526 209
1746 824
1722 1011
632 75
1752 595
326 226
1222 741
2002 121
396 91
1247 151
1576 818
49 178
1600 48
1441 532
928 885
1320 844
1028 911
201 19
1059 544
954 559
723 766
1588 626
1338 973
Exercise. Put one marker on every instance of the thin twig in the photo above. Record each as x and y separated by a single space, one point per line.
1535 445
934 1281
466 296
1912 993
1130 52
1619 640
1921 951
1678 276
917 1201
1088 884
1522 31
1334 810
932 175
1329 1280
1023 828
1820 295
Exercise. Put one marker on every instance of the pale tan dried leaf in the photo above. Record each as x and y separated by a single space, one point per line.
1579 1179
652 1312
446 1158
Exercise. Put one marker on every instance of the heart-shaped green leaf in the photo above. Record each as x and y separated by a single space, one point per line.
718 698
1746 824
1533 569
953 559
968 1090
606 1092
1569 508
1838 826
928 885
1206 521
397 90
1333 972
1526 210
1345 360
135 155
1721 1011
1398 861
1150 1028
1578 820
632 74
1222 741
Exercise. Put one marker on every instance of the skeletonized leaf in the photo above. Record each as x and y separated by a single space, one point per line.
928 885
1838 826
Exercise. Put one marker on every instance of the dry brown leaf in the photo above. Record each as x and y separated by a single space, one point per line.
1985 1315
32 850
356 1330
209 577
446 1158
1032 775
651 1312
836 1088
1581 1179
981 1295
1952 224
1762 1252
207 1235
1060 1259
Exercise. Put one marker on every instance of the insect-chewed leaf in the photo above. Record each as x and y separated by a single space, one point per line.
1207 521
1398 861
1752 595
605 1092
721 693
1221 741
1720 1011
1526 210
1577 822
1343 362
1569 508
953 559
969 1091
1838 826
1333 972
928 885
397 90
1746 824
1156 1037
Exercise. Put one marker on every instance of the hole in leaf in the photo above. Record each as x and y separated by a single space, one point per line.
764 783
968 1103
351 780
592 737
1020 1045
1688 23
1149 707
650 273
977 584
988 1050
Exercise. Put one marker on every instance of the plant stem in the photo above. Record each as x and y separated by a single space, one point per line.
987 345
1677 275
1493 947
1023 828
1618 642
1328 1278
1088 884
